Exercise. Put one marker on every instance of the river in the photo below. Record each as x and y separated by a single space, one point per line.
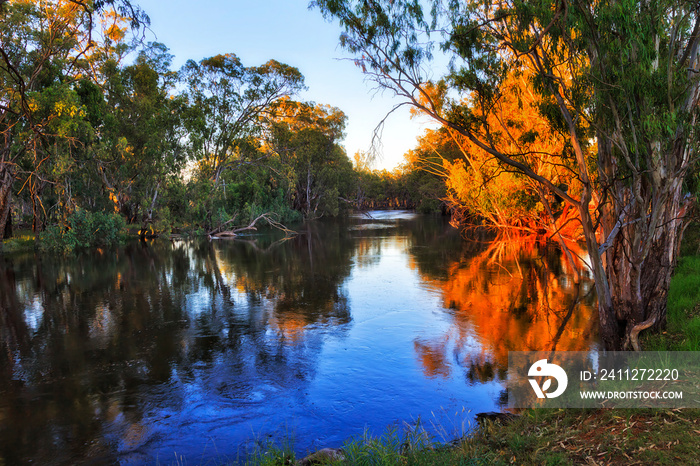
189 351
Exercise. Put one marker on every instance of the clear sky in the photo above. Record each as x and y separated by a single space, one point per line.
286 30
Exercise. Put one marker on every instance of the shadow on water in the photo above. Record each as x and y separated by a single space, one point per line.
195 347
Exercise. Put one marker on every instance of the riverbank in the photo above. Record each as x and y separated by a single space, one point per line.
21 241
538 437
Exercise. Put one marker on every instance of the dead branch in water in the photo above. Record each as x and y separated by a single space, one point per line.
232 233
218 229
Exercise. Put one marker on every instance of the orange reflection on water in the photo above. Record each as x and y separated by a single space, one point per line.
432 358
511 297
290 326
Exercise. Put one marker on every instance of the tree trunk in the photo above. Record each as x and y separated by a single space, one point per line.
608 324
648 215
6 180
308 191
8 226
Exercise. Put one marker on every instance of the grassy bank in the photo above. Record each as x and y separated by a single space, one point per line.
683 330
21 241
539 437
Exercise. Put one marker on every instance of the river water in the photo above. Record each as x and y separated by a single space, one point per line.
190 351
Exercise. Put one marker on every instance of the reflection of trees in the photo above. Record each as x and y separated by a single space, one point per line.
299 281
87 343
512 296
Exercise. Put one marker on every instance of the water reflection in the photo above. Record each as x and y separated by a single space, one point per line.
509 296
195 347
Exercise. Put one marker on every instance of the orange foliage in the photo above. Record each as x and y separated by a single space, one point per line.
290 326
481 187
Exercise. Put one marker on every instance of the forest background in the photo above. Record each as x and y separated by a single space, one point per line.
99 132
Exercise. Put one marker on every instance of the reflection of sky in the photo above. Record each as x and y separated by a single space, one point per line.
34 314
392 308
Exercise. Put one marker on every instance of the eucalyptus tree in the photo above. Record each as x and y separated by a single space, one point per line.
305 137
619 79
141 133
227 102
43 47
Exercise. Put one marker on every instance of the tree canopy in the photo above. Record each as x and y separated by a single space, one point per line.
98 129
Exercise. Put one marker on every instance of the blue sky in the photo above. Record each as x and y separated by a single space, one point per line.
289 32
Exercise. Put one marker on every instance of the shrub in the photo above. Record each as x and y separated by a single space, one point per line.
83 229
164 222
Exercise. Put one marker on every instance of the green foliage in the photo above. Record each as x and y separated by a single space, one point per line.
83 229
241 196
410 187
164 222
225 101
304 137
134 161
20 242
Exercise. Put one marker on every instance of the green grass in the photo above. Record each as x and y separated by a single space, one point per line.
21 241
272 454
683 329
394 446
538 437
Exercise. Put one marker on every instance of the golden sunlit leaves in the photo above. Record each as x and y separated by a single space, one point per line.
115 33
114 26
481 187
115 201
62 108
431 96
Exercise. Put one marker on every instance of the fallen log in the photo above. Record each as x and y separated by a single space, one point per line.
232 233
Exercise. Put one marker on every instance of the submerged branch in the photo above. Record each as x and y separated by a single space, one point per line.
219 233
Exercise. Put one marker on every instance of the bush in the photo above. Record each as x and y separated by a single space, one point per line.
83 229
164 222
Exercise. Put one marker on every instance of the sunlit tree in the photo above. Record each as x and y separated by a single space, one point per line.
226 101
484 190
43 48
